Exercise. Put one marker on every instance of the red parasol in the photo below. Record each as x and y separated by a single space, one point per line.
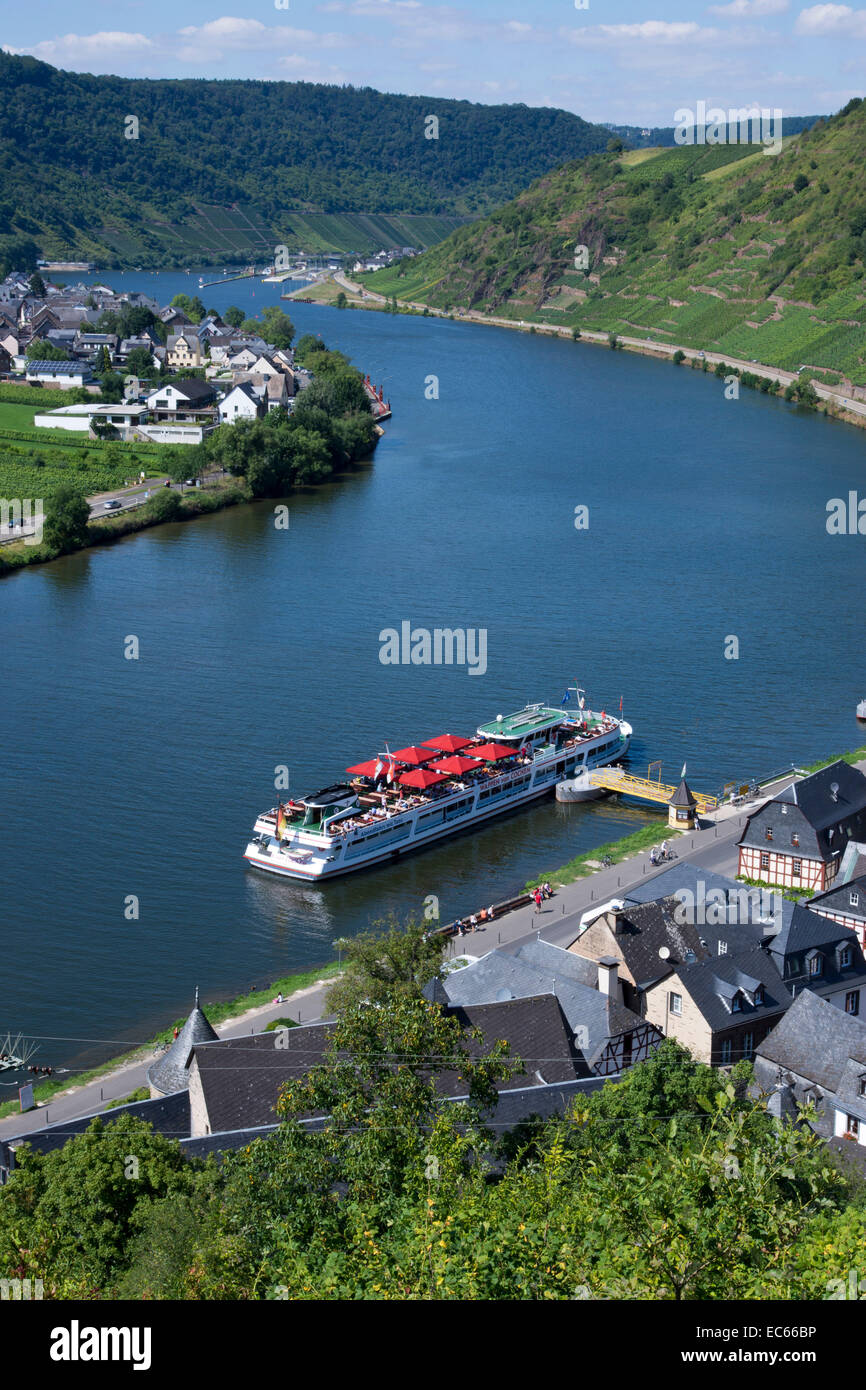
455 765
493 752
368 769
447 743
422 778
413 756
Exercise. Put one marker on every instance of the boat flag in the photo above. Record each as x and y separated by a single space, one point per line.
620 704
378 769
566 699
281 821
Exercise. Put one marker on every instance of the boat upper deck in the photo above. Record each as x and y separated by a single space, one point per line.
534 719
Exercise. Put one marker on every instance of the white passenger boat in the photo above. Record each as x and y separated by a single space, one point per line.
401 801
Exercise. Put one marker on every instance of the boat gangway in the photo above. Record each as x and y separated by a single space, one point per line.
616 779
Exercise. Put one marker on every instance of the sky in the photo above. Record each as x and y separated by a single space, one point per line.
634 62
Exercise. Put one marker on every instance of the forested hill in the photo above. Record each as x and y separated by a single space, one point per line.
722 248
71 180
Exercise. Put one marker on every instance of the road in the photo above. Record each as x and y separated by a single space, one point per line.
129 498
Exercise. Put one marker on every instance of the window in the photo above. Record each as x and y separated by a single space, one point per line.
797 867
795 840
852 1002
765 861
815 964
676 1004
855 900
723 948
853 1126
844 957
768 833
759 994
726 1053
748 1044
737 1004
862 1087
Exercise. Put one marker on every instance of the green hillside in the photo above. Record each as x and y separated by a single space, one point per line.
235 167
719 248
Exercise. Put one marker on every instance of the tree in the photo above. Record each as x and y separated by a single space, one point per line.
278 327
67 1216
102 363
387 965
67 514
233 316
140 363
112 387
800 183
41 350
310 456
165 505
341 302
191 306
37 286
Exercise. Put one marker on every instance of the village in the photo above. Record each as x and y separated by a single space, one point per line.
745 945
181 379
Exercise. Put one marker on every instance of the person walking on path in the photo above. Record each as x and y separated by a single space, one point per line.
537 896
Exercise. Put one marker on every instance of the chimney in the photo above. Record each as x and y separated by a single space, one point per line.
608 978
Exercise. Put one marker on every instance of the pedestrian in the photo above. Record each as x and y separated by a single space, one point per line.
473 922
490 914
537 896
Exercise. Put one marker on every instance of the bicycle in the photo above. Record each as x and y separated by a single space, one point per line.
607 862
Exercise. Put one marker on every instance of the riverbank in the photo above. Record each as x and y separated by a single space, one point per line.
258 1006
755 375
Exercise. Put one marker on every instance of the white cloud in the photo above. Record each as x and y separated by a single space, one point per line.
750 9
648 31
833 21
231 33
96 49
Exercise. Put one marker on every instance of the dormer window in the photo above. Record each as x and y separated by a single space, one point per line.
862 1086
854 899
795 840
759 995
737 1004
845 957
723 948
768 833
815 964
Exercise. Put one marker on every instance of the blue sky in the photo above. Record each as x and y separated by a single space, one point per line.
627 61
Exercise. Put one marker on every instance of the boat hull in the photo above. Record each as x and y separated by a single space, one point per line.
306 861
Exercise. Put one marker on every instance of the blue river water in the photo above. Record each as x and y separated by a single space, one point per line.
259 647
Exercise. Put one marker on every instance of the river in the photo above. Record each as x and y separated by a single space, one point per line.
259 647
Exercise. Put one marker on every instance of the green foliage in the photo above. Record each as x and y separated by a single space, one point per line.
185 189
67 514
41 350
233 316
189 305
392 961
165 505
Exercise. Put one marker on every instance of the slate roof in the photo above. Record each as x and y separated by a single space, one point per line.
838 899
169 1115
683 796
241 1078
713 986
498 977
553 960
694 884
808 931
642 931
808 809
815 1040
193 388
169 1072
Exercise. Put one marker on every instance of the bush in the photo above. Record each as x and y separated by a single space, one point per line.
679 356
165 506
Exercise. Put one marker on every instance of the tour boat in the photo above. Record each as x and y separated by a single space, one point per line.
401 801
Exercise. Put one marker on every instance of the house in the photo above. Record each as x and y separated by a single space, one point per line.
129 345
241 403
845 903
65 375
168 1074
89 345
234 1083
711 900
5 359
609 1036
821 1052
818 953
242 360
652 940
126 418
798 839
277 393
175 319
720 1009
184 349
191 400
